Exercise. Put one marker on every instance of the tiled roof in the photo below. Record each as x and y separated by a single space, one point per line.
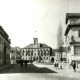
72 15
63 49
4 34
44 45
74 42
70 26
41 46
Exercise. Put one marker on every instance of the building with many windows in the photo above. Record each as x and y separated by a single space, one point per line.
72 35
37 52
4 47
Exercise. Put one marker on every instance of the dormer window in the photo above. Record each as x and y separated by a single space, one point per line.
79 33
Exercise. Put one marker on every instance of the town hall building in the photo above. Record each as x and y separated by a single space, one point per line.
37 52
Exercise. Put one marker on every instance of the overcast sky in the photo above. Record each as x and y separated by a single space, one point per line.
21 18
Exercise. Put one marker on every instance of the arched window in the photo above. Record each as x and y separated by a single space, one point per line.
46 58
31 53
28 54
23 52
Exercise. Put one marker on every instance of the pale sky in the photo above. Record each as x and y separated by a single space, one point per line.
21 18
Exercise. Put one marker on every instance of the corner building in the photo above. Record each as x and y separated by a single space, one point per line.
37 52
4 47
72 35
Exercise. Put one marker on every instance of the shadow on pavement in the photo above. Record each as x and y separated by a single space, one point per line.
30 68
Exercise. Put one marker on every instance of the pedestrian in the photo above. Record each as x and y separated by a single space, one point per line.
60 65
57 65
25 63
21 63
74 66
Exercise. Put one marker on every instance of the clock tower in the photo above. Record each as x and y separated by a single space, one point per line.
35 40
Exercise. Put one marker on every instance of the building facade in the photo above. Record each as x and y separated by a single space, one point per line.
15 54
72 35
60 55
37 52
4 47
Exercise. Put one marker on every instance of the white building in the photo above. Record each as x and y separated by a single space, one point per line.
72 34
37 52
60 55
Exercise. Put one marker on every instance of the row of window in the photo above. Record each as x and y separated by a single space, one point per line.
58 56
72 37
36 54
78 33
31 52
76 49
36 50
35 58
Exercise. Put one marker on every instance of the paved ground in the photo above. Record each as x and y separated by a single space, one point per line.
66 72
31 68
38 72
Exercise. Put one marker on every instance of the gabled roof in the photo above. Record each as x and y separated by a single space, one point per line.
41 46
4 34
44 45
56 50
72 15
29 46
63 49
70 26
74 42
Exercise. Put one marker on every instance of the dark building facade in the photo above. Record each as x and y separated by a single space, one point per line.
4 47
37 52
